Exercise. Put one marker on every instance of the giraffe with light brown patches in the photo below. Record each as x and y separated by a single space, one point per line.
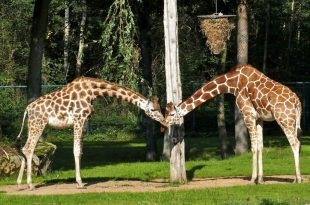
71 106
259 98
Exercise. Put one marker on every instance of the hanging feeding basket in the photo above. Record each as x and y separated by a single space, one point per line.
216 28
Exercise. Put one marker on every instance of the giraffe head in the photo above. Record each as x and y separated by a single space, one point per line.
152 109
173 114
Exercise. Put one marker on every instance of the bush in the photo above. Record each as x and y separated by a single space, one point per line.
12 106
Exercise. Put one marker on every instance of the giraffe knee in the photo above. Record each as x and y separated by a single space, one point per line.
254 146
77 152
26 151
295 146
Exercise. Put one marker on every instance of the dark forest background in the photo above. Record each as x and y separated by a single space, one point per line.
124 43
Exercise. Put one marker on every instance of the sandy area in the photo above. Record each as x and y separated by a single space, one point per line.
157 185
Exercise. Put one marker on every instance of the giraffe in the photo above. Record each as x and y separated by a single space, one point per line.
71 106
260 99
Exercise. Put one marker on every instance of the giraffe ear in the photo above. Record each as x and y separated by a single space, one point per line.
154 100
170 106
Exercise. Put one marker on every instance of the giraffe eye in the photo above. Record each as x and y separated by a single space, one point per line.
153 110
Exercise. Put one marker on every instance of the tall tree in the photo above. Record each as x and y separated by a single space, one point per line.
267 22
290 35
66 37
174 90
121 54
38 35
225 144
241 134
146 66
79 59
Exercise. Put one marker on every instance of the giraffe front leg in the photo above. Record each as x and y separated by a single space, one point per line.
250 116
254 163
77 151
251 125
33 136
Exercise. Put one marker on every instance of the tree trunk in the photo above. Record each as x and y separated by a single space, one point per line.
174 90
290 35
267 22
38 35
225 144
79 59
242 35
66 37
145 42
166 147
241 135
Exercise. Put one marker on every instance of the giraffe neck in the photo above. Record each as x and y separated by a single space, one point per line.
226 83
105 88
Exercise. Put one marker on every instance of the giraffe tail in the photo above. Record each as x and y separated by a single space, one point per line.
18 140
298 128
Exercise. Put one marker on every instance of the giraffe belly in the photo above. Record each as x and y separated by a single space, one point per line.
60 123
266 116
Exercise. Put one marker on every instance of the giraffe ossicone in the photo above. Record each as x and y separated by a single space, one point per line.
71 106
259 98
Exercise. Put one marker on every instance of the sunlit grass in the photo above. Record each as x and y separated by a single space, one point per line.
255 195
105 160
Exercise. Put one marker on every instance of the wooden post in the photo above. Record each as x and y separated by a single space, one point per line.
174 90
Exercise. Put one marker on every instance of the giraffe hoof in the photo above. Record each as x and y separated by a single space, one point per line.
253 181
19 187
260 181
81 186
298 180
31 187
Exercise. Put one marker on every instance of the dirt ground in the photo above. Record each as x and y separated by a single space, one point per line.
141 186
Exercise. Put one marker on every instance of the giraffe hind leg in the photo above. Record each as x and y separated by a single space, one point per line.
260 145
292 135
21 172
34 133
295 145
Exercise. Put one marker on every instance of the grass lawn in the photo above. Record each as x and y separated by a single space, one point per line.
116 160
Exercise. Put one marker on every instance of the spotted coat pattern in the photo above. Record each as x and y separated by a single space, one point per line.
259 98
71 106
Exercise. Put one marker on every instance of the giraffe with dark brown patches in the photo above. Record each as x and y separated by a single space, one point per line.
260 99
71 106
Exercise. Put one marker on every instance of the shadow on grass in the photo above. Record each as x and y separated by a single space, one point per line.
190 173
271 202
278 179
97 153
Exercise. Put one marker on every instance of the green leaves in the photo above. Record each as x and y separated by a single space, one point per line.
120 52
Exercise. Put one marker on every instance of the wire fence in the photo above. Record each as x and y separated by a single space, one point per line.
111 117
